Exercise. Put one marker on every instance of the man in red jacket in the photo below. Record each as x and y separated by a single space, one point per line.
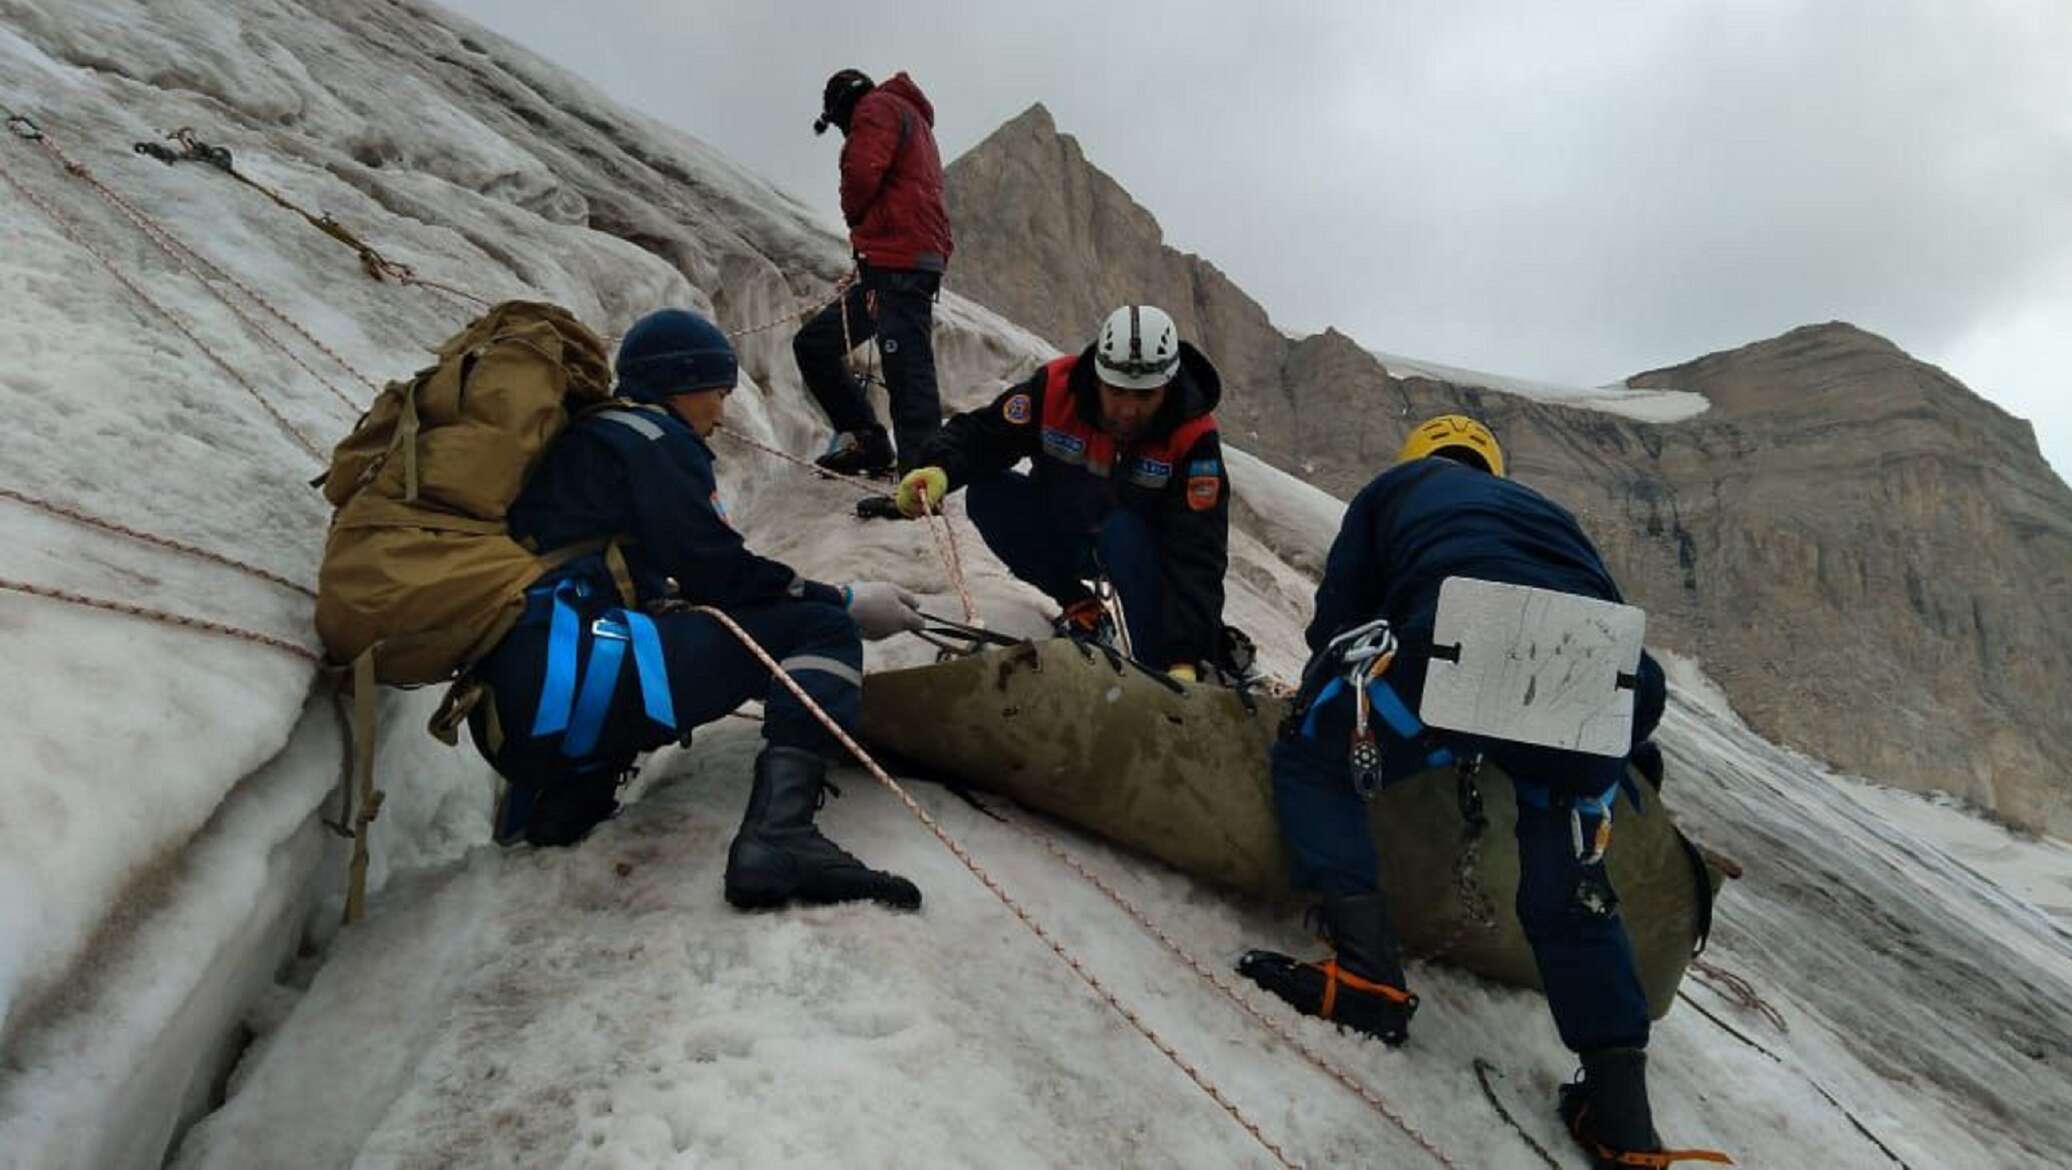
892 200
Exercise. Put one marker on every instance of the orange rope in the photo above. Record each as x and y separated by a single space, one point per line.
945 540
201 268
1322 1063
159 615
1077 966
71 232
162 541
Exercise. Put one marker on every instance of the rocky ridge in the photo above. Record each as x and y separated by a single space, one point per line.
1874 560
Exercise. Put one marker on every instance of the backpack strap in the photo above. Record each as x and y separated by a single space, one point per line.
369 803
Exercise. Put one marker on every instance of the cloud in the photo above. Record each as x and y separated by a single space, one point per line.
1573 192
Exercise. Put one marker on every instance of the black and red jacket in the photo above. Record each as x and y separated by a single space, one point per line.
892 180
1173 476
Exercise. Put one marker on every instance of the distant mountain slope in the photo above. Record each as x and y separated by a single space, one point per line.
1875 561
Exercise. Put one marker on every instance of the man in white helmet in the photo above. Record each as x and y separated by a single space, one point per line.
1126 483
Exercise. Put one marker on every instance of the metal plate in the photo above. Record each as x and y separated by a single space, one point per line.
1534 666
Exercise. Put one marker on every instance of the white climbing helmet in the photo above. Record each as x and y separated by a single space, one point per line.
1139 348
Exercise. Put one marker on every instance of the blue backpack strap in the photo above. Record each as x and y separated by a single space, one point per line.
608 639
558 687
652 668
610 636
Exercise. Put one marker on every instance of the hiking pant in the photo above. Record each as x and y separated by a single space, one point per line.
1037 545
896 306
1585 959
709 673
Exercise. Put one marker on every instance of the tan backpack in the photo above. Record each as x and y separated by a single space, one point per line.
419 567
420 575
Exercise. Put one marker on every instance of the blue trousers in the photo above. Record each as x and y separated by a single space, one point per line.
1585 960
709 673
1040 545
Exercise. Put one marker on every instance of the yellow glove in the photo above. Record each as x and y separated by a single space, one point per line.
1182 671
921 491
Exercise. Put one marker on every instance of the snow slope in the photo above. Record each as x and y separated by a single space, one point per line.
1644 404
166 887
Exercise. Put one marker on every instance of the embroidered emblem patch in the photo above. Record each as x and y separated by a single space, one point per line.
719 509
1016 409
1203 491
1205 467
1153 468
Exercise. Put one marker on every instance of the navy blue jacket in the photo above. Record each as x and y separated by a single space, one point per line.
641 472
1429 519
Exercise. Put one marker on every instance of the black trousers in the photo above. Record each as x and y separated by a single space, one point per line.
895 307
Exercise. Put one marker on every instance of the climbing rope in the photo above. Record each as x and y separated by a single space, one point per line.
71 231
945 538
1244 1002
841 290
971 864
1727 985
159 615
376 265
206 272
167 542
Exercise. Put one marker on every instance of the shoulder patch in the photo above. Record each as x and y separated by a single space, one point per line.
1016 409
1203 491
1201 467
719 509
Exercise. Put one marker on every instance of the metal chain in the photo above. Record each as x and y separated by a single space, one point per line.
1323 1063
1077 966
148 538
946 548
159 615
201 267
71 232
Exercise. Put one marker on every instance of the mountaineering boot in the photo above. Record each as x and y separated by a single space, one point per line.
778 856
1360 986
1086 620
866 452
1607 1112
556 813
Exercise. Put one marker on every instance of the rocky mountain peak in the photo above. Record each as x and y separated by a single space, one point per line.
1875 561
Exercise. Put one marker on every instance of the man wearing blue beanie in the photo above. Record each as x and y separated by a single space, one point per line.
607 662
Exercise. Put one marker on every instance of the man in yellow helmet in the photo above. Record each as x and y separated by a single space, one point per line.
1447 510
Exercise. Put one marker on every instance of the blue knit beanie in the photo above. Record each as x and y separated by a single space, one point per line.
672 351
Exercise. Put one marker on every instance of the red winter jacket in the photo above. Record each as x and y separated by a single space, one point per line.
892 180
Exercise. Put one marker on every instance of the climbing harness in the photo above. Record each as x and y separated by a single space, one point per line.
578 713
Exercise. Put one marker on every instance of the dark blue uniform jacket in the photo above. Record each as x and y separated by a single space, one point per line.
641 472
1429 519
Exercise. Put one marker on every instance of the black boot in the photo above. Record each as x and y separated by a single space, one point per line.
861 453
1607 1110
1360 986
778 856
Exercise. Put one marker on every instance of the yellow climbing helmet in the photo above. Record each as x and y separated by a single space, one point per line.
1457 432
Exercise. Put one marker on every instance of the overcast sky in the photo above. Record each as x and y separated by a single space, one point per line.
1574 191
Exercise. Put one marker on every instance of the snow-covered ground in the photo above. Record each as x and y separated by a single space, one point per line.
167 891
1646 405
